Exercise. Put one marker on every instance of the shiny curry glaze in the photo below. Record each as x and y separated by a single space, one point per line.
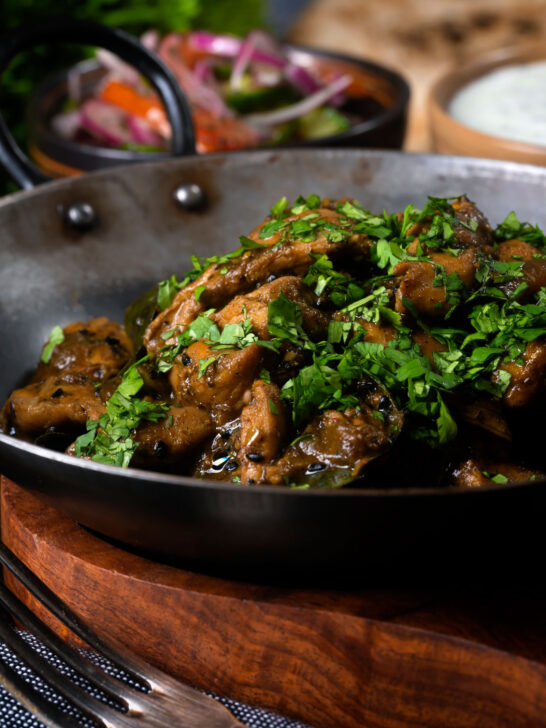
405 349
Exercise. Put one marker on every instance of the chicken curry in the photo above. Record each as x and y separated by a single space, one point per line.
333 344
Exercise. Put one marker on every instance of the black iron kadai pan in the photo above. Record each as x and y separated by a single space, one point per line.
84 247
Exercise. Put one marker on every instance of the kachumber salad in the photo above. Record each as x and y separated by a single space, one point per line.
402 349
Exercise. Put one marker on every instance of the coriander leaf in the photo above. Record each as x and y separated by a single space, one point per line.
204 365
279 207
56 337
167 290
265 376
198 291
271 228
284 320
447 428
273 407
352 210
499 478
109 440
249 244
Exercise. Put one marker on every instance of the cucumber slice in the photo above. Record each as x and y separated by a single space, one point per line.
322 122
260 99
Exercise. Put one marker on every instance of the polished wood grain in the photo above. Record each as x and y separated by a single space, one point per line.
450 657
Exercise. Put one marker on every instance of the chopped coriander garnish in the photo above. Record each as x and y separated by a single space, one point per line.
55 337
249 244
265 376
110 439
273 407
279 207
204 364
198 291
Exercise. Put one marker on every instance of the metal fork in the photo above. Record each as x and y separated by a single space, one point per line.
161 701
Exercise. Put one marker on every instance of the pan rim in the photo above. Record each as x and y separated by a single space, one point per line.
246 157
169 479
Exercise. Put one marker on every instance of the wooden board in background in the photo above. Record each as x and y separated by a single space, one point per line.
422 39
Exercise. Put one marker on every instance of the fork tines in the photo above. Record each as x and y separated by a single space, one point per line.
148 698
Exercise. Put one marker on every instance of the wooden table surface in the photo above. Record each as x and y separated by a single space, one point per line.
420 38
459 656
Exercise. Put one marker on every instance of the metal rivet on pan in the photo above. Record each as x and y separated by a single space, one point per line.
79 216
189 196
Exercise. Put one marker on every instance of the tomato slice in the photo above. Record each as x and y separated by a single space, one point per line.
145 107
216 135
212 133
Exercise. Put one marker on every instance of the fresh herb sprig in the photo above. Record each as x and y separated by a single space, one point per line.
110 438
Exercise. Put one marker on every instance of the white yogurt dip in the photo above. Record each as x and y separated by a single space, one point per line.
509 102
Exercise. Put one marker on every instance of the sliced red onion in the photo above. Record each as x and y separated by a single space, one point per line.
74 85
142 133
266 48
294 111
257 47
119 69
218 45
265 75
202 70
198 93
150 39
300 77
241 62
66 124
340 98
105 121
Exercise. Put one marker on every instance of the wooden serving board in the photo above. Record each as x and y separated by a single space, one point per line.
450 657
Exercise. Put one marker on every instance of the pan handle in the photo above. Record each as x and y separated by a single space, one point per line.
128 48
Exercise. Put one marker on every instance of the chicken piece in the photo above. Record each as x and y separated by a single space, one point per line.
377 333
428 344
333 441
173 437
95 351
219 459
51 403
254 306
416 281
534 275
263 429
248 270
470 216
510 250
224 387
484 414
528 379
383 333
515 473
183 310
472 474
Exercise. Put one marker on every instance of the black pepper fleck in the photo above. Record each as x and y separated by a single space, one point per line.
160 449
57 393
316 467
231 465
255 457
186 360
